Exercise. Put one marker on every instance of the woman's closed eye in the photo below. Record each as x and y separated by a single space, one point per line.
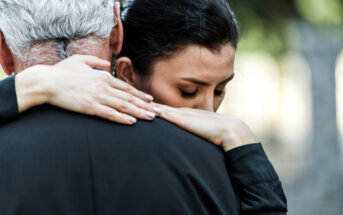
189 95
219 93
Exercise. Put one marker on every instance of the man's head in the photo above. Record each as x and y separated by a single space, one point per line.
46 32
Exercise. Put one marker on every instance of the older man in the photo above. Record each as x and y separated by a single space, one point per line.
58 162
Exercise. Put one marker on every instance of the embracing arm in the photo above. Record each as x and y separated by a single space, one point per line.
78 84
8 99
254 178
20 92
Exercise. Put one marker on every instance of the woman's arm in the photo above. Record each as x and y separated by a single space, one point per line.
222 130
8 100
253 176
256 181
75 85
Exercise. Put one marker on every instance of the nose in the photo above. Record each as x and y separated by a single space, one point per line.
207 103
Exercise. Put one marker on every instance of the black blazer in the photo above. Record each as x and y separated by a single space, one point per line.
57 162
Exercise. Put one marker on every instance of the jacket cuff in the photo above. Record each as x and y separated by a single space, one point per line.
249 165
8 100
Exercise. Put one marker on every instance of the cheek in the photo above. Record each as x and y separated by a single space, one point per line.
162 89
166 93
169 94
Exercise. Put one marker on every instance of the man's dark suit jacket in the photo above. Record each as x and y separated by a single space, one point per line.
57 162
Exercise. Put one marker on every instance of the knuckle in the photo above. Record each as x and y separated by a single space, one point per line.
131 99
128 88
104 76
102 98
89 106
123 106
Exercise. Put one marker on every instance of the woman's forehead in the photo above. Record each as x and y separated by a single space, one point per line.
197 61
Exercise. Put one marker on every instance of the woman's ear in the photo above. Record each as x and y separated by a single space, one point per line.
117 34
6 58
125 71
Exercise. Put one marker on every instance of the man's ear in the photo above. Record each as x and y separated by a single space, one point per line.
117 34
6 59
125 71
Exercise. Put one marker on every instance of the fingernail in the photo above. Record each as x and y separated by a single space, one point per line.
149 97
150 115
157 110
132 119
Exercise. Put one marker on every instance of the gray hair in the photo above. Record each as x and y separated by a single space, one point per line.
26 22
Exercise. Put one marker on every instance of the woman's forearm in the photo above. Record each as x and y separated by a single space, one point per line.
31 87
236 135
8 100
83 84
256 182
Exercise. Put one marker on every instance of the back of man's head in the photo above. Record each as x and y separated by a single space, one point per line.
53 24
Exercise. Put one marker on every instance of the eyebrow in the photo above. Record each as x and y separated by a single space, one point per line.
199 82
228 79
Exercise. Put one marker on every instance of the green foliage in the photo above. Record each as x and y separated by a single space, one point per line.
321 12
265 24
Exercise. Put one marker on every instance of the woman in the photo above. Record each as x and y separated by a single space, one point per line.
181 53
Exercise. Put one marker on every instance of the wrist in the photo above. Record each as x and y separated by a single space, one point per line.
240 136
231 143
31 87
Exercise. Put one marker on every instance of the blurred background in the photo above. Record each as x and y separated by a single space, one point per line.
289 89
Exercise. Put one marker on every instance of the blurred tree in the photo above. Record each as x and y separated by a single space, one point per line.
265 23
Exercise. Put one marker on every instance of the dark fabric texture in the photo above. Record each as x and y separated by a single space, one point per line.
8 100
57 162
256 181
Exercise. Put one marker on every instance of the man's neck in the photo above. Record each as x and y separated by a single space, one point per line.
51 52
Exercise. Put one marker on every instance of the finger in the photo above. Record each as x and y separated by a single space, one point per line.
182 120
158 111
164 109
92 61
121 85
113 115
127 108
178 116
131 99
173 115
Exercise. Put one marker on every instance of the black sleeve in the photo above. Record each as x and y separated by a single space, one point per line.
256 182
8 100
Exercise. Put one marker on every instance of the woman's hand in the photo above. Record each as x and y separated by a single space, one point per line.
222 130
75 85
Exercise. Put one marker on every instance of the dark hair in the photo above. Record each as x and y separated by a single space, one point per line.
157 29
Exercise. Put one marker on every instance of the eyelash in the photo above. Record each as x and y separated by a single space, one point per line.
194 94
189 95
218 93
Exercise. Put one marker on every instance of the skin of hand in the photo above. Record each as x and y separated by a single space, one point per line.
222 130
79 84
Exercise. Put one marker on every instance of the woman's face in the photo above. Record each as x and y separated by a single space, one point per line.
195 78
